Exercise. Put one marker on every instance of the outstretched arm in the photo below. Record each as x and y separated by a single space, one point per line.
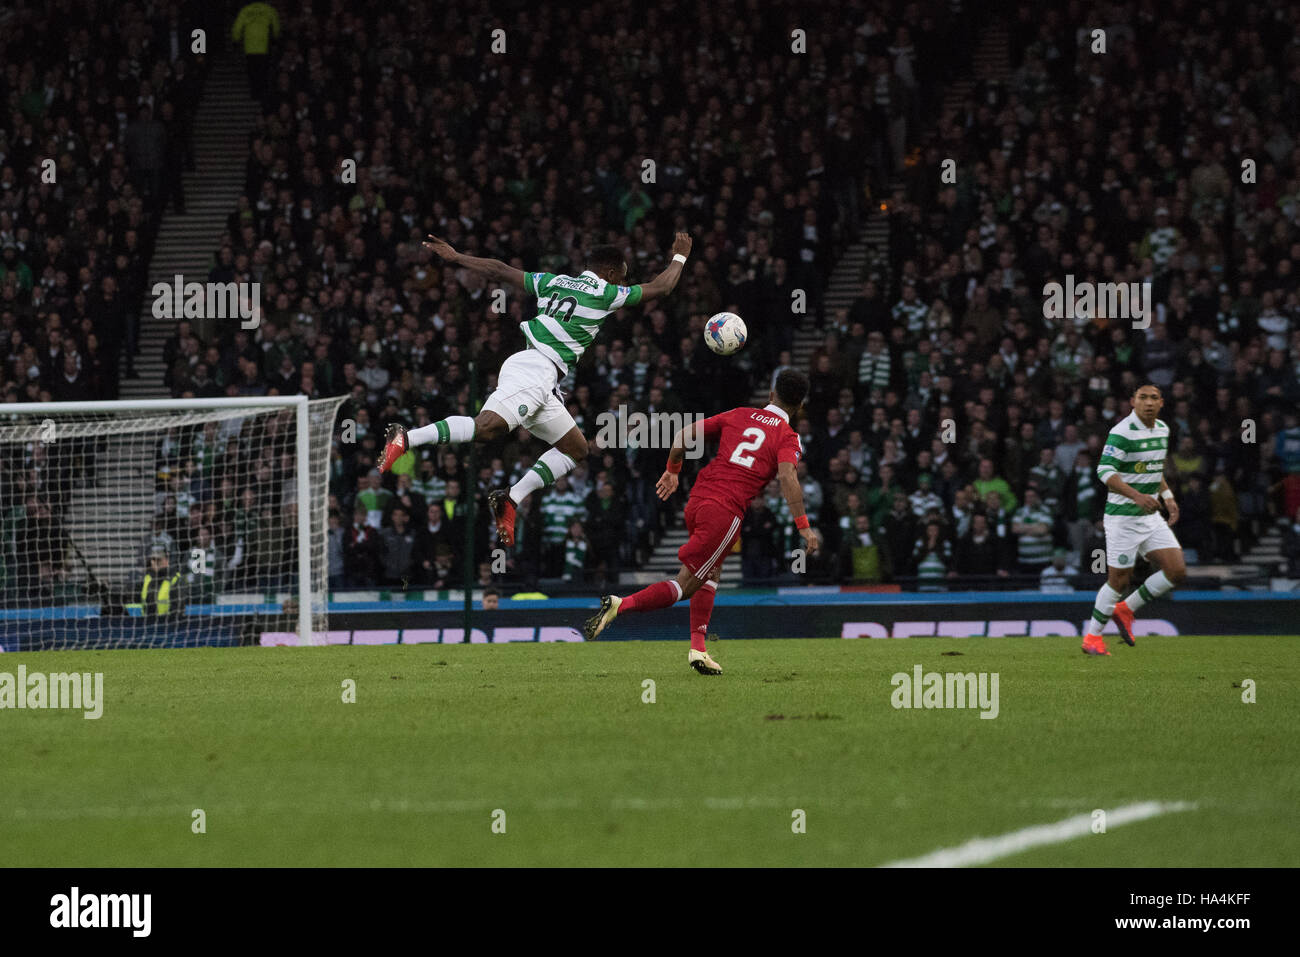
666 281
493 269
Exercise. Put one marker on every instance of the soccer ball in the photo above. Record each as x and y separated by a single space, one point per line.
725 333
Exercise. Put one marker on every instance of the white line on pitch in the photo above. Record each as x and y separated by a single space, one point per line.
981 850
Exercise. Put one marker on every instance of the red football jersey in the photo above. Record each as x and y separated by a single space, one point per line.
753 442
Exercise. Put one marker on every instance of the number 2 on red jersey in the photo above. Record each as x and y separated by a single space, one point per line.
738 456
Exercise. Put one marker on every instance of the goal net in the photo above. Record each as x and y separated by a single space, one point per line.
163 523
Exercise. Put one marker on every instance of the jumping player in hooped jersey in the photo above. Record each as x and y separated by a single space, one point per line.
570 313
755 445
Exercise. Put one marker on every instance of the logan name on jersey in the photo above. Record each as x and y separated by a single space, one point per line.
752 444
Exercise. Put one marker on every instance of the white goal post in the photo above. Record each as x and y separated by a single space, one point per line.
164 522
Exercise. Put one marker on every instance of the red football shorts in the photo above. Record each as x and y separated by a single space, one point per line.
713 530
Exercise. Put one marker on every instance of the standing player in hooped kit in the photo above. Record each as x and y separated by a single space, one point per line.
1132 469
754 446
570 312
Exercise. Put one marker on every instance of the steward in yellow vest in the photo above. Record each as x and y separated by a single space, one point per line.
160 591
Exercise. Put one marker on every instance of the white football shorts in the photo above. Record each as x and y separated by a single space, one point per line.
1128 536
527 394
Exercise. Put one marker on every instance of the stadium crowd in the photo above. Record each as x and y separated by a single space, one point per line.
952 431
535 161
97 105
1164 161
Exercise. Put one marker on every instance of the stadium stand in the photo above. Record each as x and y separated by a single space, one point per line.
946 409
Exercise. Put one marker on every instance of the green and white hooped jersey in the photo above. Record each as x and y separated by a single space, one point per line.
1137 455
570 311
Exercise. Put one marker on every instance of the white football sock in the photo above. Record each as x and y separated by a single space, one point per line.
549 467
1107 598
448 431
1155 586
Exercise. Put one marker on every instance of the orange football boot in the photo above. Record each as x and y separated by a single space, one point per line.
1124 622
1094 645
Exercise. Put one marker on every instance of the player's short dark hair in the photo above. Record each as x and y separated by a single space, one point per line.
605 257
791 387
1142 385
491 591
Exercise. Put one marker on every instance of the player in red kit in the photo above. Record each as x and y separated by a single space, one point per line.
754 445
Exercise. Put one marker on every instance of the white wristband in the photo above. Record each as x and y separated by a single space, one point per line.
1167 495
679 258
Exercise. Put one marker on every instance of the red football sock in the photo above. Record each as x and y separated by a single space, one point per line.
701 610
658 595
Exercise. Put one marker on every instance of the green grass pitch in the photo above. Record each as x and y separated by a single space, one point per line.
558 737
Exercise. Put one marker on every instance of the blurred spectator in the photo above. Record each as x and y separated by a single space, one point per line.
1291 548
397 548
335 538
1032 526
1057 576
758 550
933 556
575 553
1223 518
987 482
362 551
982 550
561 505
1194 527
899 529
606 521
859 555
253 28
